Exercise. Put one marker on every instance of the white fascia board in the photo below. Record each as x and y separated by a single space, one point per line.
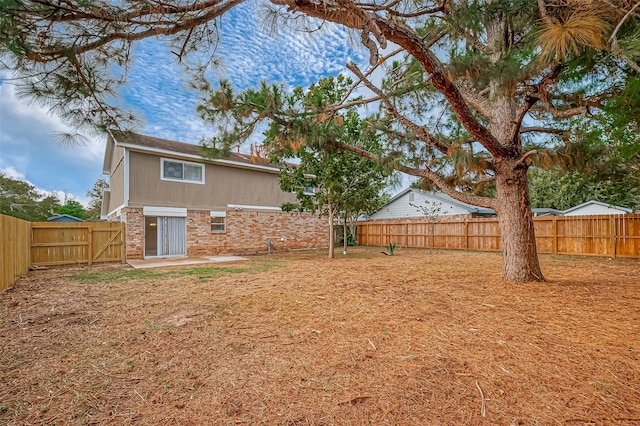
164 211
199 158
126 178
108 155
246 207
116 210
104 205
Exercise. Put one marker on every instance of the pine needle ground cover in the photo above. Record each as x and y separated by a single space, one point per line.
409 339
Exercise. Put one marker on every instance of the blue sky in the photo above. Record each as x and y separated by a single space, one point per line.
159 94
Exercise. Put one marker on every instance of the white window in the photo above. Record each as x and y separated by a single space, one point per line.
181 171
218 222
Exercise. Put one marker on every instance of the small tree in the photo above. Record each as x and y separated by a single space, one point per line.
22 200
72 208
432 210
95 200
326 181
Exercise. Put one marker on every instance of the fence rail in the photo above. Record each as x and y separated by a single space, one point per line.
602 235
24 244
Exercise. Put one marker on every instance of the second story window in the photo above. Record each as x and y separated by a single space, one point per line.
182 171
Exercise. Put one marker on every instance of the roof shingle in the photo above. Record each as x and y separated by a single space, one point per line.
152 142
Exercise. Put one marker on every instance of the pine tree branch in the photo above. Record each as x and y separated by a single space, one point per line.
343 105
615 48
531 98
171 28
475 100
526 158
542 7
367 74
345 13
427 173
572 112
539 129
529 101
422 133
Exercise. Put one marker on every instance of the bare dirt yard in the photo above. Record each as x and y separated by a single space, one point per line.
297 339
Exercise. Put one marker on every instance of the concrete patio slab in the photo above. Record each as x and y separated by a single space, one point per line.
181 261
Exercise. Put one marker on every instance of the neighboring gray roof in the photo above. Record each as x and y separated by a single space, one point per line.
546 211
64 216
611 206
444 198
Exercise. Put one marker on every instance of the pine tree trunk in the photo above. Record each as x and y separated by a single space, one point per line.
520 256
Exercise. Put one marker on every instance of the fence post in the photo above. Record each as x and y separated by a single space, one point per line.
123 241
466 235
90 249
612 225
554 233
406 235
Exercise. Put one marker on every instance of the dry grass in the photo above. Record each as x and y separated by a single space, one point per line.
413 339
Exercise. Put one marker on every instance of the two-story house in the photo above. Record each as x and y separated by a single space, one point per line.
177 203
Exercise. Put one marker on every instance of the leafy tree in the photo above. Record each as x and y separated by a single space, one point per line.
95 200
22 200
474 94
72 208
605 168
332 183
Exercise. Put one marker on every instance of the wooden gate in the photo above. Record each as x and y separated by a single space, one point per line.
83 242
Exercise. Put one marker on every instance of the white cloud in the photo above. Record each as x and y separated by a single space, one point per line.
12 173
28 148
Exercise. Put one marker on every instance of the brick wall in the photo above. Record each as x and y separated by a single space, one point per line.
246 232
135 232
249 231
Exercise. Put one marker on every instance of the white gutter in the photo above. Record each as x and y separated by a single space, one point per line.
243 207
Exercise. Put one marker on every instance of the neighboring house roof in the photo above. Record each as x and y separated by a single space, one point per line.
448 199
439 197
63 218
595 207
164 146
545 211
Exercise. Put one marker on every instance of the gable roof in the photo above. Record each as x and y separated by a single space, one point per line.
156 145
64 218
442 197
591 202
546 211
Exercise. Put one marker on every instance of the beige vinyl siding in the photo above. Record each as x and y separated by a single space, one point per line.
116 180
223 185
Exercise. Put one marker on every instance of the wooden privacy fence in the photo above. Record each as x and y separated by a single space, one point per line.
24 244
603 235
14 249
82 242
